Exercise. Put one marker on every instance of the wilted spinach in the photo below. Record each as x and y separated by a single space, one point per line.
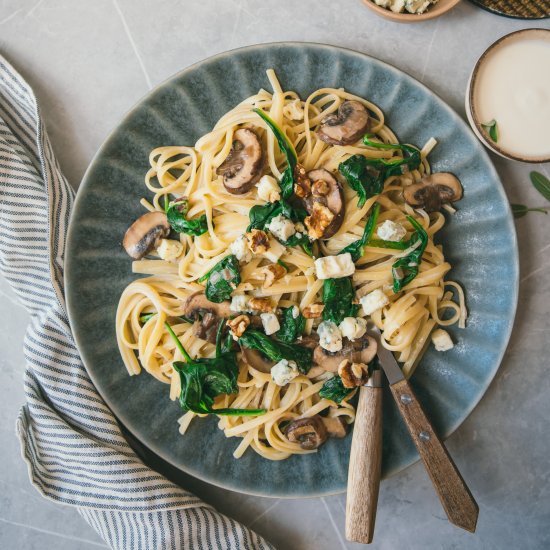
277 350
356 247
176 215
223 279
338 296
334 390
291 327
405 269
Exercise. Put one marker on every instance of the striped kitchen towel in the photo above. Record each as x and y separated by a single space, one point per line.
73 446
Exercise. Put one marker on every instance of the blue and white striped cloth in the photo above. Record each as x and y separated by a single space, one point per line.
73 446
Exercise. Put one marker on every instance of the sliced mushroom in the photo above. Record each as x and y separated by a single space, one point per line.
310 433
256 360
433 191
347 126
243 166
358 351
330 195
145 234
206 315
335 426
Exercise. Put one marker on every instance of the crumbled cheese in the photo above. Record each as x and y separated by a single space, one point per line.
239 303
441 340
270 323
281 228
275 251
397 6
334 267
353 327
295 312
268 189
294 110
169 249
391 231
330 337
284 372
239 247
412 6
373 300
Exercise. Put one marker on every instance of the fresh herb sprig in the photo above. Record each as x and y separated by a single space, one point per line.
542 184
491 128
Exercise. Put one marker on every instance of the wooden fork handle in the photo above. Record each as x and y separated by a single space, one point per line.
457 501
364 466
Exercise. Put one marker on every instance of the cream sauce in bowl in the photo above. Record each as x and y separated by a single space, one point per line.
511 86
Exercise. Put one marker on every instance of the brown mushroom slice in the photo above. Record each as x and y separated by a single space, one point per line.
256 360
433 191
206 315
335 426
332 198
345 127
358 351
243 166
310 432
145 234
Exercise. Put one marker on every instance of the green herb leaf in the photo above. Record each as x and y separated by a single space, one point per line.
395 245
146 316
520 210
356 247
393 166
541 183
223 278
291 327
492 129
405 269
176 213
287 181
338 296
361 178
334 390
277 350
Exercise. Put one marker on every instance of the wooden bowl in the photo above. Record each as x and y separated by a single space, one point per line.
436 10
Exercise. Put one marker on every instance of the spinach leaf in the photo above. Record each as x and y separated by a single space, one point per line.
334 390
277 350
176 213
365 181
302 240
146 316
338 296
204 379
291 327
223 279
405 269
394 166
287 181
356 247
396 245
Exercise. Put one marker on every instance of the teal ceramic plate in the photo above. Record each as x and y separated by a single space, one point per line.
479 241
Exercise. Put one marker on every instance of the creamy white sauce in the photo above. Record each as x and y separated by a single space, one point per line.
513 88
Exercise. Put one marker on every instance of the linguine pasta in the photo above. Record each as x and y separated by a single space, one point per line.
406 322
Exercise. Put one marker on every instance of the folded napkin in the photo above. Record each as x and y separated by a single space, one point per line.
75 451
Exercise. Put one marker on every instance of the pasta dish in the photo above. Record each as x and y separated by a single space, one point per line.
269 249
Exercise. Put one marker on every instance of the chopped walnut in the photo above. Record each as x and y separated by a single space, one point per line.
302 185
320 218
238 325
273 272
258 241
320 188
313 311
260 304
353 374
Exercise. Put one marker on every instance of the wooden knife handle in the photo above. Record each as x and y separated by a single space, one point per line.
458 502
364 466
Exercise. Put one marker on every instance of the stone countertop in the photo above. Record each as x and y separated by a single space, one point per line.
89 62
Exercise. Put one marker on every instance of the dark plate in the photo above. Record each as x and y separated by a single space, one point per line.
518 9
479 241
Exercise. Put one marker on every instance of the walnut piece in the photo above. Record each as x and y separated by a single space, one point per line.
273 272
260 304
353 374
302 185
320 218
313 311
320 188
238 325
258 241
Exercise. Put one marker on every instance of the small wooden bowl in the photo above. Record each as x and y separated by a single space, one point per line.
436 10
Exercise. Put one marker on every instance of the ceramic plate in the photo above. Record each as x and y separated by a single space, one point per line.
479 242
517 9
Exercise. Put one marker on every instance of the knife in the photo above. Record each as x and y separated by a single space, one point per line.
365 462
457 501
